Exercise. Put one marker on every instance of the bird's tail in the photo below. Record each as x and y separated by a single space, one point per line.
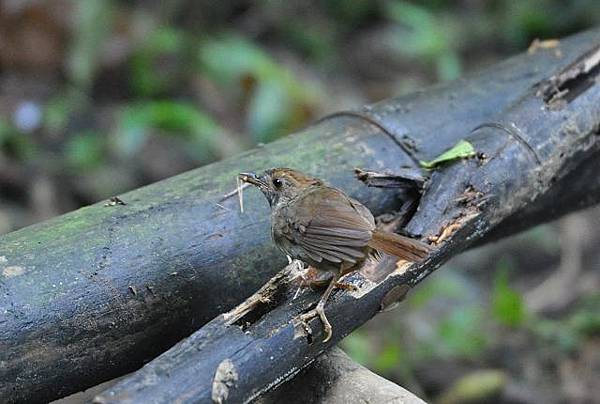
400 246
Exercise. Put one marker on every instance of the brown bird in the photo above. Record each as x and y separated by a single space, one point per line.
326 229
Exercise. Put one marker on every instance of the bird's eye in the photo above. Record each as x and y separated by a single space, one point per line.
277 182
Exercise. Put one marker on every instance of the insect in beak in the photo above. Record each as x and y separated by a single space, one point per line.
251 178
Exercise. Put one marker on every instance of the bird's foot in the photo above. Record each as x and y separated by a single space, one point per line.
318 311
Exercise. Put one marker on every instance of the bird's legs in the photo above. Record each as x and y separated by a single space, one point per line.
319 311
314 278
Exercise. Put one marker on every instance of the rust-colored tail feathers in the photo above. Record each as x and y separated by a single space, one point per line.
399 246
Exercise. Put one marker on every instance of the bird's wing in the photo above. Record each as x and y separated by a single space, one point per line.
328 225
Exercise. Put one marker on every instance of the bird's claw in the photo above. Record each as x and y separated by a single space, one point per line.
319 311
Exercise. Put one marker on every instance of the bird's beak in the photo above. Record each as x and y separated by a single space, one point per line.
251 178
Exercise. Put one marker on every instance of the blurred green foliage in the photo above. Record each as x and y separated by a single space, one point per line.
93 24
154 56
567 334
429 37
522 20
277 100
358 345
389 358
15 143
168 118
480 386
507 304
461 333
455 333
159 62
85 151
449 289
56 114
586 320
5 131
455 327
445 319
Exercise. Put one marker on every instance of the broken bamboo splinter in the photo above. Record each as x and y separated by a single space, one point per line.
240 192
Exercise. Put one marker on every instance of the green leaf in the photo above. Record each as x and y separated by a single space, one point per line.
507 304
463 149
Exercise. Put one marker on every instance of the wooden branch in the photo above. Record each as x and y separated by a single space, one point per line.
94 294
523 153
334 378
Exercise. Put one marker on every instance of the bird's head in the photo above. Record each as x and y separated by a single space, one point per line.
280 184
